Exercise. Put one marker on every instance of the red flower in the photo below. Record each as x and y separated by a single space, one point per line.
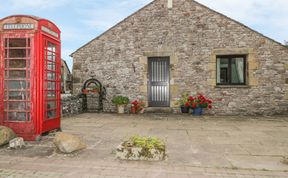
209 106
135 102
193 105
191 98
187 104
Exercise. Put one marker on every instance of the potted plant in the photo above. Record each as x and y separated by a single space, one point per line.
137 105
95 89
198 103
85 91
183 102
121 102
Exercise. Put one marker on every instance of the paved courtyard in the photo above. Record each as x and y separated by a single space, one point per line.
200 147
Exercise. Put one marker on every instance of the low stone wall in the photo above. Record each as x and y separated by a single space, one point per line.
71 105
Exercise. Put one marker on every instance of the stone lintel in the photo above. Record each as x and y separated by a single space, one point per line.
157 53
232 51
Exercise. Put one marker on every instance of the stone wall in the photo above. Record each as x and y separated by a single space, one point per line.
71 105
191 35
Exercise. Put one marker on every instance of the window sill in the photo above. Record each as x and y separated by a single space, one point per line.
232 86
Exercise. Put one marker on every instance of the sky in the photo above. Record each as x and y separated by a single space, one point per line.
83 20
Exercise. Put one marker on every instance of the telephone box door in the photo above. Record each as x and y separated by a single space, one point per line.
52 85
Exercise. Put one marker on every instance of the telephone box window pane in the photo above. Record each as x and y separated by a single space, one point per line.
19 106
51 65
28 116
17 84
5 95
51 114
51 94
17 53
51 76
6 53
28 54
51 105
6 42
18 95
51 57
12 74
17 42
51 85
51 47
16 63
16 116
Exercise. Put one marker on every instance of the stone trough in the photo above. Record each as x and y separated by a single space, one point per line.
142 148
138 153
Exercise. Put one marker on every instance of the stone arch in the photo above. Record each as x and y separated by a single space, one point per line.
85 94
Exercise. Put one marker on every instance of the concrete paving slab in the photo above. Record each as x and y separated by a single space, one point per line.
257 162
209 147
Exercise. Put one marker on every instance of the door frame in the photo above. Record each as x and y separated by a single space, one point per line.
167 104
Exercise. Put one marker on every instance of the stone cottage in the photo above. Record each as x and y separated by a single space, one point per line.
169 47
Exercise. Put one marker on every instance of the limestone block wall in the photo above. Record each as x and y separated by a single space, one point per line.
192 36
71 105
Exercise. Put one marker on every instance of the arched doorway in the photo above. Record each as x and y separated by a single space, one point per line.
93 94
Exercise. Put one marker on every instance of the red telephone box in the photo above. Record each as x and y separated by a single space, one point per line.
30 64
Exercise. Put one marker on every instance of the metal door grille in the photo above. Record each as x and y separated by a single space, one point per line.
158 85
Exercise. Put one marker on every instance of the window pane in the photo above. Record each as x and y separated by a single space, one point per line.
222 70
17 84
51 65
17 53
28 116
17 95
17 42
51 94
51 114
51 105
51 47
6 42
6 53
15 63
51 85
19 106
51 56
16 116
12 74
51 76
237 70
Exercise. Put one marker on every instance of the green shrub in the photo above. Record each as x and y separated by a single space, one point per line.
146 142
120 100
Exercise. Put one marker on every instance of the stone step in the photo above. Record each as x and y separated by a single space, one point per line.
158 110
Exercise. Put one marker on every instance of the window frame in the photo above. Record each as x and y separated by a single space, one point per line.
229 76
